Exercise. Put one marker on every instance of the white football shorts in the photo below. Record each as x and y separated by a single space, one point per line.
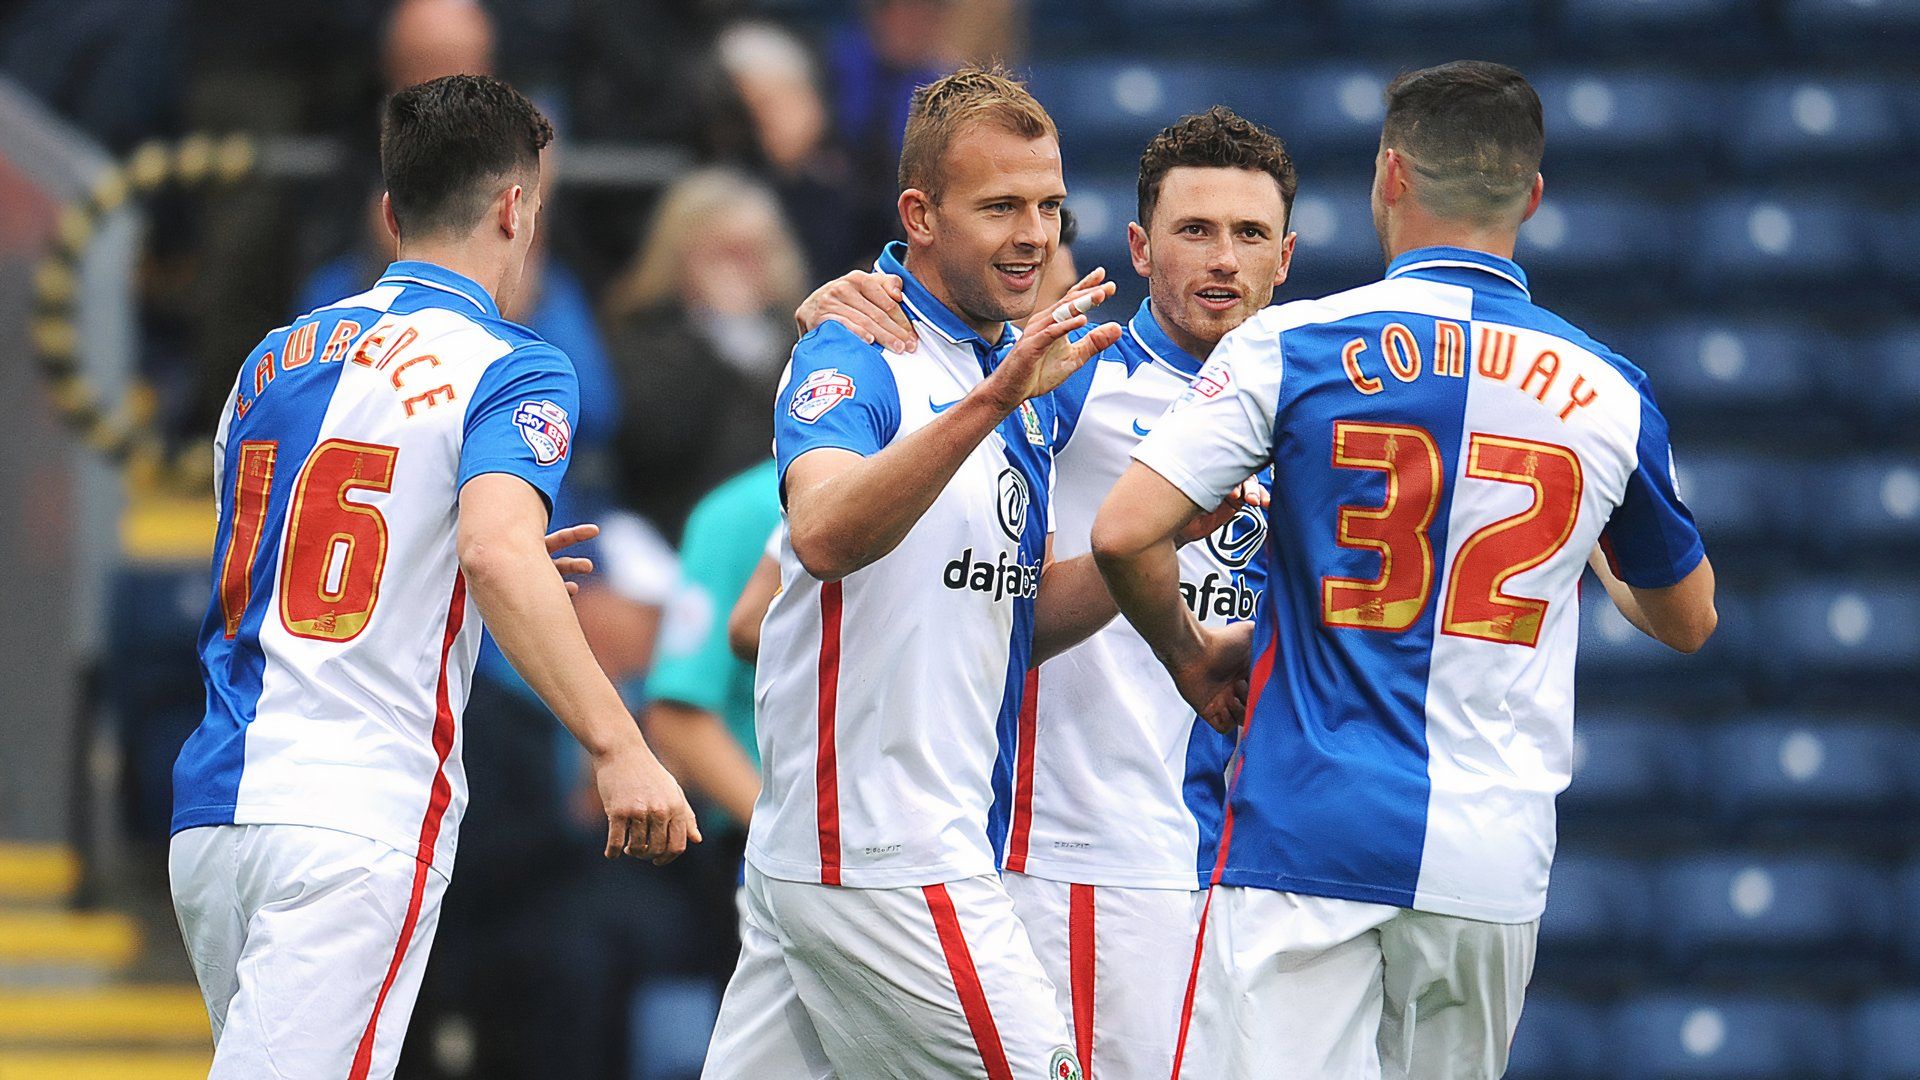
1340 990
927 982
309 945
1118 958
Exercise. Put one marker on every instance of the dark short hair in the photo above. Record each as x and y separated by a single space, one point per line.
1474 129
1069 227
1216 139
446 144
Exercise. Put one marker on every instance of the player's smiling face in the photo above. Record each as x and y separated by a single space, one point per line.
996 224
1213 252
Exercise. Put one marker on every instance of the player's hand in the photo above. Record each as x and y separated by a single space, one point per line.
561 539
866 303
1250 493
647 814
1044 357
1214 680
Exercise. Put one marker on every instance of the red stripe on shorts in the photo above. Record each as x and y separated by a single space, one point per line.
1080 970
1023 782
973 998
1193 982
437 799
826 768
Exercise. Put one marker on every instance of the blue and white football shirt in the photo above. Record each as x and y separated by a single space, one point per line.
1117 781
886 702
1446 455
340 643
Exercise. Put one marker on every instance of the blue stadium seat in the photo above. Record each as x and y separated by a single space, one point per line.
1721 373
1338 248
1886 1037
1739 498
1782 123
1896 236
1758 914
1111 105
1883 376
1846 626
1847 29
1559 1039
1866 506
1153 21
1493 26
1597 907
1812 246
1628 242
1709 1037
1791 768
1627 764
1328 115
1599 119
1619 663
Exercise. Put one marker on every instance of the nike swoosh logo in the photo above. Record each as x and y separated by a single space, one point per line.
938 408
1140 431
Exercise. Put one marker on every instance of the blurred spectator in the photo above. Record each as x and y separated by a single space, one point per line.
110 66
774 75
1057 278
700 328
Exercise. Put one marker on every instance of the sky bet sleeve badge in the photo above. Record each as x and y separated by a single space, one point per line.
818 394
544 426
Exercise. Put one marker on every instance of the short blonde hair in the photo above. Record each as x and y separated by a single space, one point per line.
942 109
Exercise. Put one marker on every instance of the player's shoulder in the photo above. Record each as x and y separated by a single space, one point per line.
834 353
1558 326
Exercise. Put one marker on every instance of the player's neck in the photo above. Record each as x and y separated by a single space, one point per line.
1420 231
487 270
928 275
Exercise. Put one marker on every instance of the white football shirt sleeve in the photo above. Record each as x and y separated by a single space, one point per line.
1220 431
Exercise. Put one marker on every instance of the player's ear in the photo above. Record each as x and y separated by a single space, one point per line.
1139 249
916 214
386 216
1286 259
1533 197
509 208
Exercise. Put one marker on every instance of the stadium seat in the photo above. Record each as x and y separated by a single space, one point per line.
1635 28
1559 1039
1655 121
1491 26
1329 116
1102 205
1792 768
1886 1037
1742 914
1722 373
1623 241
1896 236
1629 766
1709 1037
1846 626
1597 907
1619 664
1338 248
1847 29
1814 247
1783 123
1740 498
1107 107
1869 507
1887 365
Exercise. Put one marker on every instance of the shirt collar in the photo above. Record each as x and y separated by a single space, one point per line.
1442 262
925 308
434 276
1146 330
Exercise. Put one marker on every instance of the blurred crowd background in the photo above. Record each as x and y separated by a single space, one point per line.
1730 201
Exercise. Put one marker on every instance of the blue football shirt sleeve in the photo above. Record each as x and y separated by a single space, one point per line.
1651 541
839 393
522 418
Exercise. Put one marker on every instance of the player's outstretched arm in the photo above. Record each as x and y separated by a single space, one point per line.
867 304
1680 616
845 511
1134 539
696 747
520 595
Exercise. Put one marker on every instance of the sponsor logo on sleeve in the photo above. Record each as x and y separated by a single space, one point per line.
1212 383
544 426
818 394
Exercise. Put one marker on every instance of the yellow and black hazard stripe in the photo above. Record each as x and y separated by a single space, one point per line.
123 432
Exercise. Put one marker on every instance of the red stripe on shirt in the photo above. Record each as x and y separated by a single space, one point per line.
966 981
1262 671
1080 970
1023 782
826 769
437 799
1193 983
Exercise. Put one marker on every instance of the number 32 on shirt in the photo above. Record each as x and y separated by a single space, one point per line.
1477 603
